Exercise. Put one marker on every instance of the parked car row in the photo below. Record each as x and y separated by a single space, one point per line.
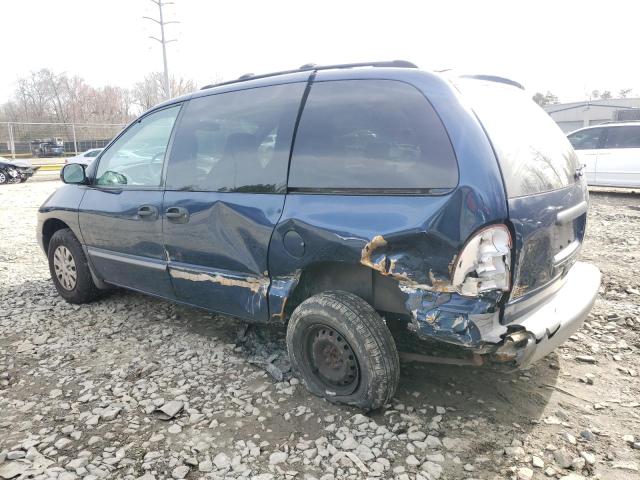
346 202
610 153
15 171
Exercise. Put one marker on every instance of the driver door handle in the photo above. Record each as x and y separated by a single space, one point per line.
177 214
146 211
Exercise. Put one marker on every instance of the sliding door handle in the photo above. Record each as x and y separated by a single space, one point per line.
177 214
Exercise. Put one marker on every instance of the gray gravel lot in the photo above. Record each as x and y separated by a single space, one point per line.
81 387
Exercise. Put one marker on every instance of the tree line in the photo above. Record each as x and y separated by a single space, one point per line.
46 96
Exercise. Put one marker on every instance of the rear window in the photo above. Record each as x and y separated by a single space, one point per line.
623 137
534 155
371 134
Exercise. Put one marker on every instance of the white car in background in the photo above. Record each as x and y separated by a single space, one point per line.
85 157
610 152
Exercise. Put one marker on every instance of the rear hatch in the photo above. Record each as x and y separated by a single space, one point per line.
547 194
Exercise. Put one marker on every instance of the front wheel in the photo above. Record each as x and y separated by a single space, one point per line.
3 178
343 350
69 269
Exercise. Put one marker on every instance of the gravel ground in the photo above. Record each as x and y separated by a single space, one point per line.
132 387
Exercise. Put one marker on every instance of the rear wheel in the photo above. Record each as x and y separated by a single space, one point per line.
3 178
69 269
343 350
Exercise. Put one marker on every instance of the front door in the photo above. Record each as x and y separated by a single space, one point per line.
619 160
225 190
120 213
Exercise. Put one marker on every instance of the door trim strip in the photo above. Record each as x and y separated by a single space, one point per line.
127 258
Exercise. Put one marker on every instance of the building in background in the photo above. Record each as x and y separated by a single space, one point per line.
571 116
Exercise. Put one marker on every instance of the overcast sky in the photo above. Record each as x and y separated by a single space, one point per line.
569 47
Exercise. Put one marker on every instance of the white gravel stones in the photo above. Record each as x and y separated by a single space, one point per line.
276 458
180 472
412 461
432 469
525 473
222 460
563 458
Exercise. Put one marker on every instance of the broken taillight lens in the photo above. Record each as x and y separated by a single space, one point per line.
483 264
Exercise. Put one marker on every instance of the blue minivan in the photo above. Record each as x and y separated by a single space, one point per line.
377 210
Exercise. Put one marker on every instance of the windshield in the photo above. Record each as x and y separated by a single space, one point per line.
534 155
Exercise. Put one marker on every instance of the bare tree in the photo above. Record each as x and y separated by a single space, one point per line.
625 92
46 96
150 91
545 99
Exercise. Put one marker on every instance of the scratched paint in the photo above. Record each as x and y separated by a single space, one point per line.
252 283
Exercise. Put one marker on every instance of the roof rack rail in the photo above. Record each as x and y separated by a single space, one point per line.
313 67
495 78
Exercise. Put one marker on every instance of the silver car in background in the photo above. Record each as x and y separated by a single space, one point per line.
85 158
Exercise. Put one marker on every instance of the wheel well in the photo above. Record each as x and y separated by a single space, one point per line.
51 226
381 292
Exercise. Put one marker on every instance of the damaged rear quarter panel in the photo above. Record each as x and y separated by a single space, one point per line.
413 239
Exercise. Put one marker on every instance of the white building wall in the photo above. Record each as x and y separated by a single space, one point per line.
571 116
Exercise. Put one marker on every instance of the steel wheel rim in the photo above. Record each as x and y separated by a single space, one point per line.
64 266
332 360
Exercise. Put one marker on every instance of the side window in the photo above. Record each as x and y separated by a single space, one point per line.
371 134
136 158
236 142
586 139
623 137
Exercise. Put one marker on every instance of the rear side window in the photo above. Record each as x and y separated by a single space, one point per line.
533 153
586 139
370 134
236 142
623 137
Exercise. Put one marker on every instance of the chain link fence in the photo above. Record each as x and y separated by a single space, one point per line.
53 139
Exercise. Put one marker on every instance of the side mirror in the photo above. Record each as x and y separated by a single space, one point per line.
73 173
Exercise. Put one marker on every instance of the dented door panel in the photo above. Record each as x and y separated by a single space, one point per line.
218 259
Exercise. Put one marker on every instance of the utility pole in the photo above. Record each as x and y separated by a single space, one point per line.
163 41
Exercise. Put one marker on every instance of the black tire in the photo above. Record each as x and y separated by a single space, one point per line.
358 331
83 289
3 177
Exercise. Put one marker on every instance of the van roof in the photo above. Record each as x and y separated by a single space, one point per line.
302 74
307 67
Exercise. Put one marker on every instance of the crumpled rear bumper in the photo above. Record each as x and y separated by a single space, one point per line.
542 330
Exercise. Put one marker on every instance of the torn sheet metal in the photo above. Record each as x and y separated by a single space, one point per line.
404 265
453 318
280 290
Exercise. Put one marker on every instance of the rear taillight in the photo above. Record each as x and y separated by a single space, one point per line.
483 264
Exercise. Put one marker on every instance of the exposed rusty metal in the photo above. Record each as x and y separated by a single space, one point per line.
387 266
254 284
280 292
